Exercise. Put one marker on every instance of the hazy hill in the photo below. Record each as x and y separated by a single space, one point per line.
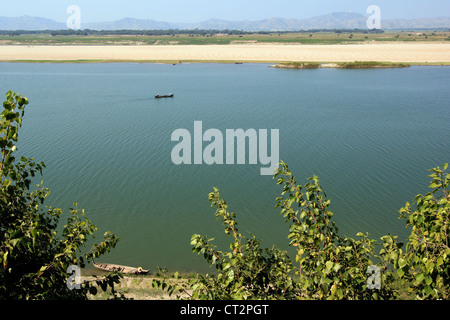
336 20
129 24
30 23
429 23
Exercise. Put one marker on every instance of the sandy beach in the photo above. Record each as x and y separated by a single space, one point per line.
392 52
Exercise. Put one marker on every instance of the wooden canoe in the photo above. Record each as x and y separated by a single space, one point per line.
119 268
158 96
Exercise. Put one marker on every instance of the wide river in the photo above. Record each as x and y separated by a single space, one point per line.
369 135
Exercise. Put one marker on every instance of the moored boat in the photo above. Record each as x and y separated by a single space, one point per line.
158 96
119 268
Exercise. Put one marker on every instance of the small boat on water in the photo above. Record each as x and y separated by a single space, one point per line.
158 96
119 268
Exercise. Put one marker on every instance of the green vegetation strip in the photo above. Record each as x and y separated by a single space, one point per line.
216 37
371 64
355 65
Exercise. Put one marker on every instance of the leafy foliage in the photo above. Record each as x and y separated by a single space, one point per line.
33 258
247 271
426 260
330 267
327 266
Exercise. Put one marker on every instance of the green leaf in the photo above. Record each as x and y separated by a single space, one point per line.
340 293
326 281
329 265
419 278
393 255
336 267
6 183
428 290
429 266
401 262
5 259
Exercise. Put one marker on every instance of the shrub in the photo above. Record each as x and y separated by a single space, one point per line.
327 266
34 258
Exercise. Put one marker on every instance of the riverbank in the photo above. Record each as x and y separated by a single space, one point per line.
136 287
410 53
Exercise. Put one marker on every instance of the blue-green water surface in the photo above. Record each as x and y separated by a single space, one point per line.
369 135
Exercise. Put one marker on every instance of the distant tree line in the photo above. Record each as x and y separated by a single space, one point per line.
201 32
87 32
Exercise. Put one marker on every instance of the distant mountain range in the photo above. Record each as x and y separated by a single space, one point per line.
336 20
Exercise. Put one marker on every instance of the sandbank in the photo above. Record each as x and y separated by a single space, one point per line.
414 53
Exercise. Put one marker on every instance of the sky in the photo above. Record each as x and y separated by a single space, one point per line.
234 10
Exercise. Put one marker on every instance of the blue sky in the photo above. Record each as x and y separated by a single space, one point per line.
198 10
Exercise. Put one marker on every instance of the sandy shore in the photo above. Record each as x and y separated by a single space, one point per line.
392 52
